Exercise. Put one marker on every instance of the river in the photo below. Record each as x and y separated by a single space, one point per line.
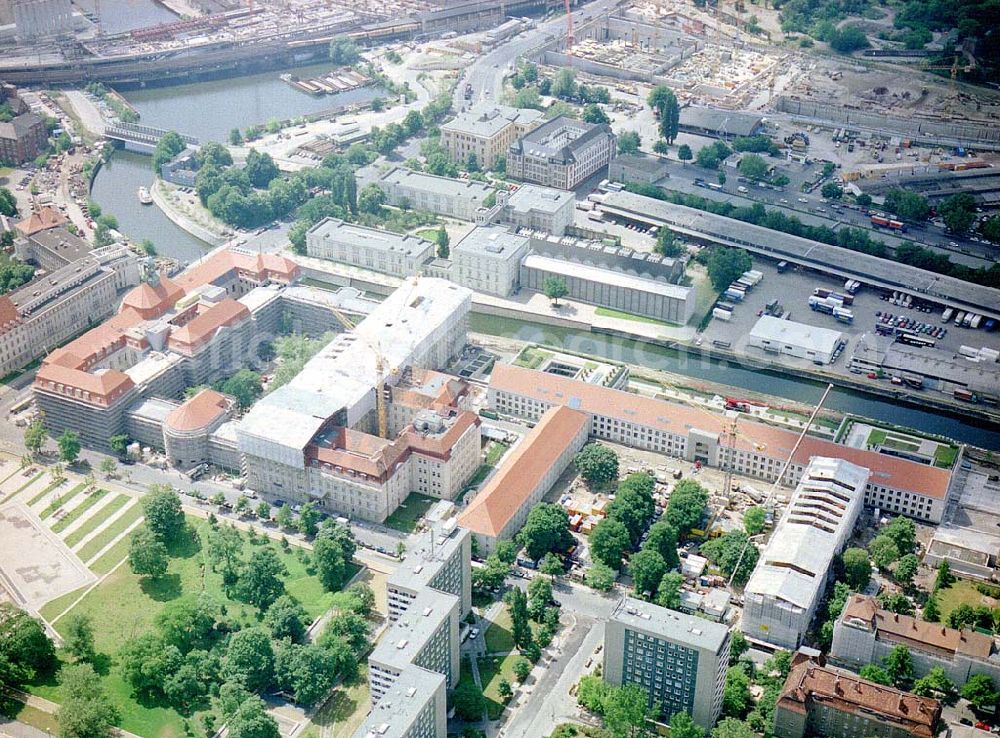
209 110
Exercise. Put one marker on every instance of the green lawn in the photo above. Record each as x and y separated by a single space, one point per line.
60 500
491 671
481 473
429 234
56 606
105 537
494 452
95 521
48 488
111 558
945 456
609 313
498 635
124 606
962 591
346 709
531 357
405 519
77 512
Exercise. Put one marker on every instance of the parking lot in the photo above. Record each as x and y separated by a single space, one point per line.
793 288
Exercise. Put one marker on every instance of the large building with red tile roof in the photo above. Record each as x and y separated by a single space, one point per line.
865 634
530 470
818 700
896 485
186 430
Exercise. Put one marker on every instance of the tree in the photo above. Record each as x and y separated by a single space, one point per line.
628 142
944 576
332 552
468 701
601 577
78 637
8 203
371 199
662 99
684 153
725 265
309 518
738 645
119 443
899 666
25 648
504 691
108 467
626 710
732 728
308 672
249 659
962 616
283 517
875 673
539 597
597 464
35 437
667 243
264 510
686 506
662 538
169 146
864 200
958 212
69 446
736 700
491 575
223 549
522 669
413 122
564 85
235 137
647 569
251 720
883 551
85 710
857 569
517 603
669 595
147 555
162 509
903 533
979 690
594 114
545 530
661 147
591 693
350 628
286 618
990 228
848 39
551 565
906 569
344 51
734 554
608 541
260 581
932 613
936 684
245 386
753 166
555 288
189 623
753 520
682 725
907 205
831 191
895 602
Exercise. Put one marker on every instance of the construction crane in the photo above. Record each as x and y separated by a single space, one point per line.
570 39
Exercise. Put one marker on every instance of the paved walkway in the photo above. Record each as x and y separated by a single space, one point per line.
48 707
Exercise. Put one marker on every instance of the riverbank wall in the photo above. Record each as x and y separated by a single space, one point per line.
181 221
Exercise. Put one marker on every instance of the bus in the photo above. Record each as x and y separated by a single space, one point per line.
913 339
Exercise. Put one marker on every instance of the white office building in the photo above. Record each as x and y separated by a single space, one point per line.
788 583
368 248
488 260
457 198
540 208
777 336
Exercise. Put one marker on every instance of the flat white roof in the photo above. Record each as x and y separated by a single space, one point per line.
494 242
777 330
467 188
531 197
605 276
338 231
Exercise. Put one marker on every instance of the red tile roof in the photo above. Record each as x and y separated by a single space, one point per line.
152 302
512 485
920 635
221 263
809 685
95 389
41 220
198 412
197 331
887 471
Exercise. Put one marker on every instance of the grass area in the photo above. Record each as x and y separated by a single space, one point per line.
962 591
494 452
124 606
105 537
30 716
531 357
77 512
407 515
61 499
55 607
346 709
498 636
429 234
95 521
945 456
111 558
481 473
491 672
37 498
620 315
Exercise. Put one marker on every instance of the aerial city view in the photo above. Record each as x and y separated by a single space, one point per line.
499 368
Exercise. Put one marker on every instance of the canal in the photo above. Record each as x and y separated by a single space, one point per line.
209 110
840 399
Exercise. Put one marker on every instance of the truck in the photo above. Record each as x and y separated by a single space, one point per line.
733 294
843 315
881 221
968 351
959 317
782 267
846 299
965 395
976 320
722 314
967 320
946 315
823 304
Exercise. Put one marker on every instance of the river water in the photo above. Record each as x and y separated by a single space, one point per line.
209 110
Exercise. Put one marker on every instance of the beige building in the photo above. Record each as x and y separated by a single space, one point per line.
369 248
561 153
488 260
487 131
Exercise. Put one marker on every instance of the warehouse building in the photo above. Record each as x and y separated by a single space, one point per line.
822 701
456 198
719 123
617 290
776 336
540 209
898 486
487 131
369 248
561 153
638 168
679 659
790 578
488 260
866 634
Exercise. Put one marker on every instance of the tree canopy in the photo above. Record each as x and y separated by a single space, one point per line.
597 464
545 530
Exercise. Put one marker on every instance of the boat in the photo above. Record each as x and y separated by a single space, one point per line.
144 197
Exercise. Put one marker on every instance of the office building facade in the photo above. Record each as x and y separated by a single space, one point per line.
488 260
561 153
368 248
487 131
